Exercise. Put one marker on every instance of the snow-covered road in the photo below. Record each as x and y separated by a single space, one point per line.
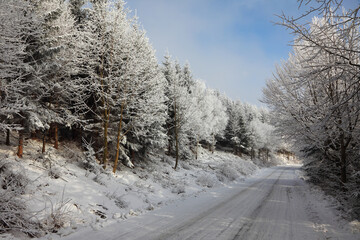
273 204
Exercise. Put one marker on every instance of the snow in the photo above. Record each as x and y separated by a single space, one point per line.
61 193
218 196
273 204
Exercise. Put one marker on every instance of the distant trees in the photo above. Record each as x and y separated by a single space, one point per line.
236 129
88 66
181 107
209 119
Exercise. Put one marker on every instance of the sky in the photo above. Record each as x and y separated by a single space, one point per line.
232 45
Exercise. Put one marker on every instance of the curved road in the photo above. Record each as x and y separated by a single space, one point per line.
274 204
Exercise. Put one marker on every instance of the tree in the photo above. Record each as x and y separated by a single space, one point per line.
14 24
180 108
57 63
78 11
263 137
237 128
104 36
124 83
316 93
142 112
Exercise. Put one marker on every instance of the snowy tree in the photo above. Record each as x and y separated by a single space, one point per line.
21 33
210 118
142 112
316 94
125 85
57 63
263 137
103 48
180 108
13 26
78 11
237 132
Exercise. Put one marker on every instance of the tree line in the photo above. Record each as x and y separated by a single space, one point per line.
85 70
315 95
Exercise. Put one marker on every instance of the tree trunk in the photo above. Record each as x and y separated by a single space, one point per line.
176 138
343 159
196 149
8 137
213 144
176 147
169 142
105 153
132 155
44 142
33 135
21 144
267 155
118 142
56 137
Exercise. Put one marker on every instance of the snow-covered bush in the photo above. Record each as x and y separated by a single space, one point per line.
12 176
178 189
57 215
13 211
185 166
206 180
89 161
54 172
227 171
354 198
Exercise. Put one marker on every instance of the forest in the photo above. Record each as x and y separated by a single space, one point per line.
76 73
85 72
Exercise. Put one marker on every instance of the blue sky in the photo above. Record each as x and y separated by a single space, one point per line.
232 45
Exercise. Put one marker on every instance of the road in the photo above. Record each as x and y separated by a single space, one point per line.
275 204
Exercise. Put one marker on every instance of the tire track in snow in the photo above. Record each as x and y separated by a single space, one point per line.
175 231
245 228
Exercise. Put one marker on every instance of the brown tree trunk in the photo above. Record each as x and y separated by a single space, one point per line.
56 136
8 137
132 155
44 142
33 135
21 144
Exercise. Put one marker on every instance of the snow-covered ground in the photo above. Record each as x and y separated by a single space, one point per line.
218 196
274 204
61 193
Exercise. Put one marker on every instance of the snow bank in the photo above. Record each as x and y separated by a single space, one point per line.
67 190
